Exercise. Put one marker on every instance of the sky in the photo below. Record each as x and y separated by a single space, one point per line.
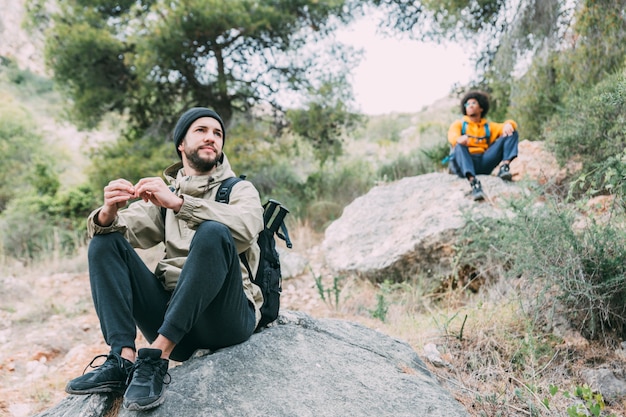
401 75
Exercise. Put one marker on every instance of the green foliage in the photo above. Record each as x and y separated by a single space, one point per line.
388 129
325 193
325 121
44 179
537 96
382 307
561 74
606 177
437 154
594 138
382 301
22 154
34 226
151 60
600 31
89 64
23 81
580 267
129 159
592 402
434 19
329 295
417 162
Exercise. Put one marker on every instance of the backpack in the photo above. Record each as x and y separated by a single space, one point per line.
463 130
487 133
268 276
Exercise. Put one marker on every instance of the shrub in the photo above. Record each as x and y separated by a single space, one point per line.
36 226
417 162
581 268
21 152
131 159
30 232
590 126
325 194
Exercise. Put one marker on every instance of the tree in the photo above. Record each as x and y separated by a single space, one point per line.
151 59
501 33
325 119
23 153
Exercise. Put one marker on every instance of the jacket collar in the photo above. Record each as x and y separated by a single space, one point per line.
175 175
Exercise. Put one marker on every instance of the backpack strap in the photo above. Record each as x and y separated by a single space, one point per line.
223 196
273 220
487 132
223 193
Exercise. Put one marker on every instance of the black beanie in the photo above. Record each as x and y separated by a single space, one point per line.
190 116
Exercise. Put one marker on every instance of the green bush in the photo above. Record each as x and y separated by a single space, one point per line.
580 267
131 159
23 153
590 126
417 162
279 182
30 231
325 194
535 98
25 82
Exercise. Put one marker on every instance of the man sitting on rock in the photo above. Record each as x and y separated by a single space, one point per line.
478 146
199 296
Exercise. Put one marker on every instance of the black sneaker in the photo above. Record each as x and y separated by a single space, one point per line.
111 376
477 190
505 173
147 387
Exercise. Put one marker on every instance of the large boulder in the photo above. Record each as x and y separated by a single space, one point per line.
298 367
408 227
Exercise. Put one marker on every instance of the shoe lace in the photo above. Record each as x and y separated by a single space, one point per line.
145 368
106 364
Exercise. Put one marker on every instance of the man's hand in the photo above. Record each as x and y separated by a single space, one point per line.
507 129
116 195
118 192
462 140
155 190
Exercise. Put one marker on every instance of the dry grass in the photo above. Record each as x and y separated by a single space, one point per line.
497 361
501 361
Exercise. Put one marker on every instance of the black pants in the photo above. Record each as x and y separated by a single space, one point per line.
208 308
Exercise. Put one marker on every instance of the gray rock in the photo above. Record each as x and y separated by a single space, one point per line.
400 229
299 367
291 262
610 383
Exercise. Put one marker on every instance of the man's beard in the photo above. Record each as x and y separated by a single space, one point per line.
202 165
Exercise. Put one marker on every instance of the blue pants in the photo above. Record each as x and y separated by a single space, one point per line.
465 164
208 308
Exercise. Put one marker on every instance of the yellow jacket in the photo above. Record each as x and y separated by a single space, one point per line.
478 143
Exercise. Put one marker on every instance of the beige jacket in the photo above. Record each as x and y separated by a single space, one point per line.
144 227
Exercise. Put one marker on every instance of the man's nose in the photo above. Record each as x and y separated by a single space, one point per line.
210 137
